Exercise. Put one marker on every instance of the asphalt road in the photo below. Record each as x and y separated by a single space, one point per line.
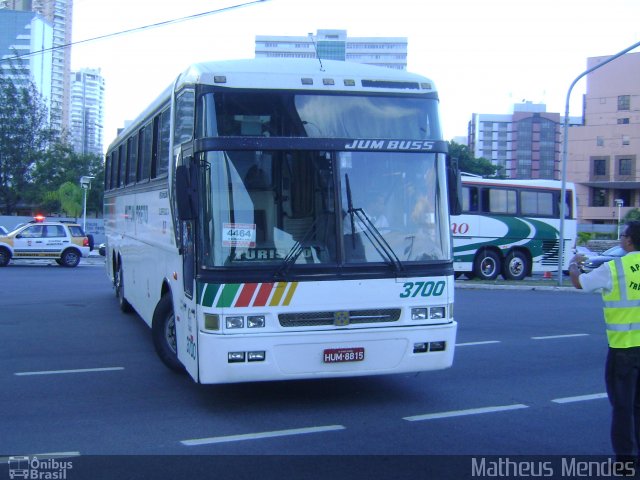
79 378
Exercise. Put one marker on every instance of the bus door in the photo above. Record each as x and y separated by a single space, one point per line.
187 330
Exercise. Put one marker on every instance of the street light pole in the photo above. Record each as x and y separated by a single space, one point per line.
85 184
565 142
619 203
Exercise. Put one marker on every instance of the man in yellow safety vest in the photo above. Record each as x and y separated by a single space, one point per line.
619 282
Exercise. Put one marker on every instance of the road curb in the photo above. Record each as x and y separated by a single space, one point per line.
544 288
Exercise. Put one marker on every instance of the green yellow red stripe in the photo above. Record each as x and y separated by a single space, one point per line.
236 295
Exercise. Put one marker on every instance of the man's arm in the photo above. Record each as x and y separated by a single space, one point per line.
574 273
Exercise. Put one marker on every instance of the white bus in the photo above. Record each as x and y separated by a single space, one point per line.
278 220
512 227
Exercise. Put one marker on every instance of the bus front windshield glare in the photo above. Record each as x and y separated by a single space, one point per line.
269 208
269 114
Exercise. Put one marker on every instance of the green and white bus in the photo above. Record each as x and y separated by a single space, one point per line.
512 227
276 220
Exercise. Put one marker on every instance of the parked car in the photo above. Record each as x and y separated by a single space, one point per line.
584 251
591 263
64 242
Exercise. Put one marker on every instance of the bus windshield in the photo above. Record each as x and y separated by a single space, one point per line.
283 114
263 208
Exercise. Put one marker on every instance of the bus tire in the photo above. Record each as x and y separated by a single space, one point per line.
118 283
164 334
516 266
487 265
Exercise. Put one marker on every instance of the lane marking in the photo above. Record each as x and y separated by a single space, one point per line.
256 436
469 344
60 372
570 335
41 456
461 413
580 398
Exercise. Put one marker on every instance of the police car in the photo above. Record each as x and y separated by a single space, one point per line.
64 242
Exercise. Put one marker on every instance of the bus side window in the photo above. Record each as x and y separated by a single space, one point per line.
132 163
184 118
146 151
114 169
107 174
162 165
568 212
122 173
470 199
497 200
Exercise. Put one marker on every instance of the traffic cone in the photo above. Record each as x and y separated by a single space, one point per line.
547 275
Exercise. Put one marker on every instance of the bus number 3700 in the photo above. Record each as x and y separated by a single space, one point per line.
424 289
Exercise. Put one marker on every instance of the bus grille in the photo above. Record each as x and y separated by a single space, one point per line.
550 250
317 319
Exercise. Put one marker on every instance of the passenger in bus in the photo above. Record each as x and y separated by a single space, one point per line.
376 213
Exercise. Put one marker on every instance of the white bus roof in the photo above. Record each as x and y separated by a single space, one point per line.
286 74
534 183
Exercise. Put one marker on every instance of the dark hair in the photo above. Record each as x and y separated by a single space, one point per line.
633 232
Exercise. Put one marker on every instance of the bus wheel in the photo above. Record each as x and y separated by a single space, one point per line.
516 266
118 283
487 265
164 334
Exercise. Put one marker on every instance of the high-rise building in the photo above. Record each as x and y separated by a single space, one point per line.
59 15
388 52
524 144
604 152
23 32
87 111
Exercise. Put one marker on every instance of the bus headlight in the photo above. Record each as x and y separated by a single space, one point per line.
211 321
433 313
419 313
234 322
255 321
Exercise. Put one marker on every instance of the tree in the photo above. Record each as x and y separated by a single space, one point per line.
60 164
631 216
70 197
25 134
467 163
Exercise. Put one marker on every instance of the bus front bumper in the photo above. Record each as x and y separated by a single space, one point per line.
324 354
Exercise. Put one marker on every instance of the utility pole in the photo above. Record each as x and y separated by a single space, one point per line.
565 142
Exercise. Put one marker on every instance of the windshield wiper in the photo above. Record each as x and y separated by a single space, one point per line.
295 252
371 231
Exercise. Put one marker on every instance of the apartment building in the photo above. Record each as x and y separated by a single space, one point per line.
58 14
87 111
524 144
390 52
604 152
21 33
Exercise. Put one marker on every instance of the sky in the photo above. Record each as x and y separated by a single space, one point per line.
483 56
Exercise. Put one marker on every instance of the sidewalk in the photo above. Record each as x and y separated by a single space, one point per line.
528 284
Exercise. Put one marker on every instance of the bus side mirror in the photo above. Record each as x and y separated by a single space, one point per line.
184 205
454 187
